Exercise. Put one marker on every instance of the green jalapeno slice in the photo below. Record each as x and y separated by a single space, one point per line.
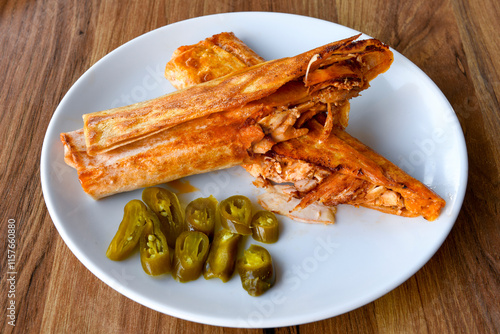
155 255
256 270
135 217
191 251
166 206
201 215
235 214
222 256
265 227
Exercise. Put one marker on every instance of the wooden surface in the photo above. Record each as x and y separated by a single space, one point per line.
47 45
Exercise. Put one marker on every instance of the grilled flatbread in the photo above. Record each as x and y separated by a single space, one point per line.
199 146
330 74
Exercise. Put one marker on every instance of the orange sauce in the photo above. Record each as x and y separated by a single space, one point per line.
182 187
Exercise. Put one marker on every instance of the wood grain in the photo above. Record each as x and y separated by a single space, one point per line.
47 45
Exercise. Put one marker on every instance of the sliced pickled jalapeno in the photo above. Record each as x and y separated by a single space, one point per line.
235 214
135 216
201 215
191 251
265 227
222 256
256 270
166 206
155 255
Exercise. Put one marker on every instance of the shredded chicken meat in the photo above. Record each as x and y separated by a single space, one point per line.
309 184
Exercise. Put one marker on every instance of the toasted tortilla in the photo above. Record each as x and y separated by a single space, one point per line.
195 147
109 129
360 176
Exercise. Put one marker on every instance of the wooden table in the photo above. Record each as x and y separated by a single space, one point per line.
47 45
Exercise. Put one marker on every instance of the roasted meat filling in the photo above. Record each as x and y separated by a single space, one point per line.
313 183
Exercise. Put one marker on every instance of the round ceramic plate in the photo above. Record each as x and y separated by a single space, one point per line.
322 271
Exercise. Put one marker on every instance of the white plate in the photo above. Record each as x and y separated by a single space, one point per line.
322 271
